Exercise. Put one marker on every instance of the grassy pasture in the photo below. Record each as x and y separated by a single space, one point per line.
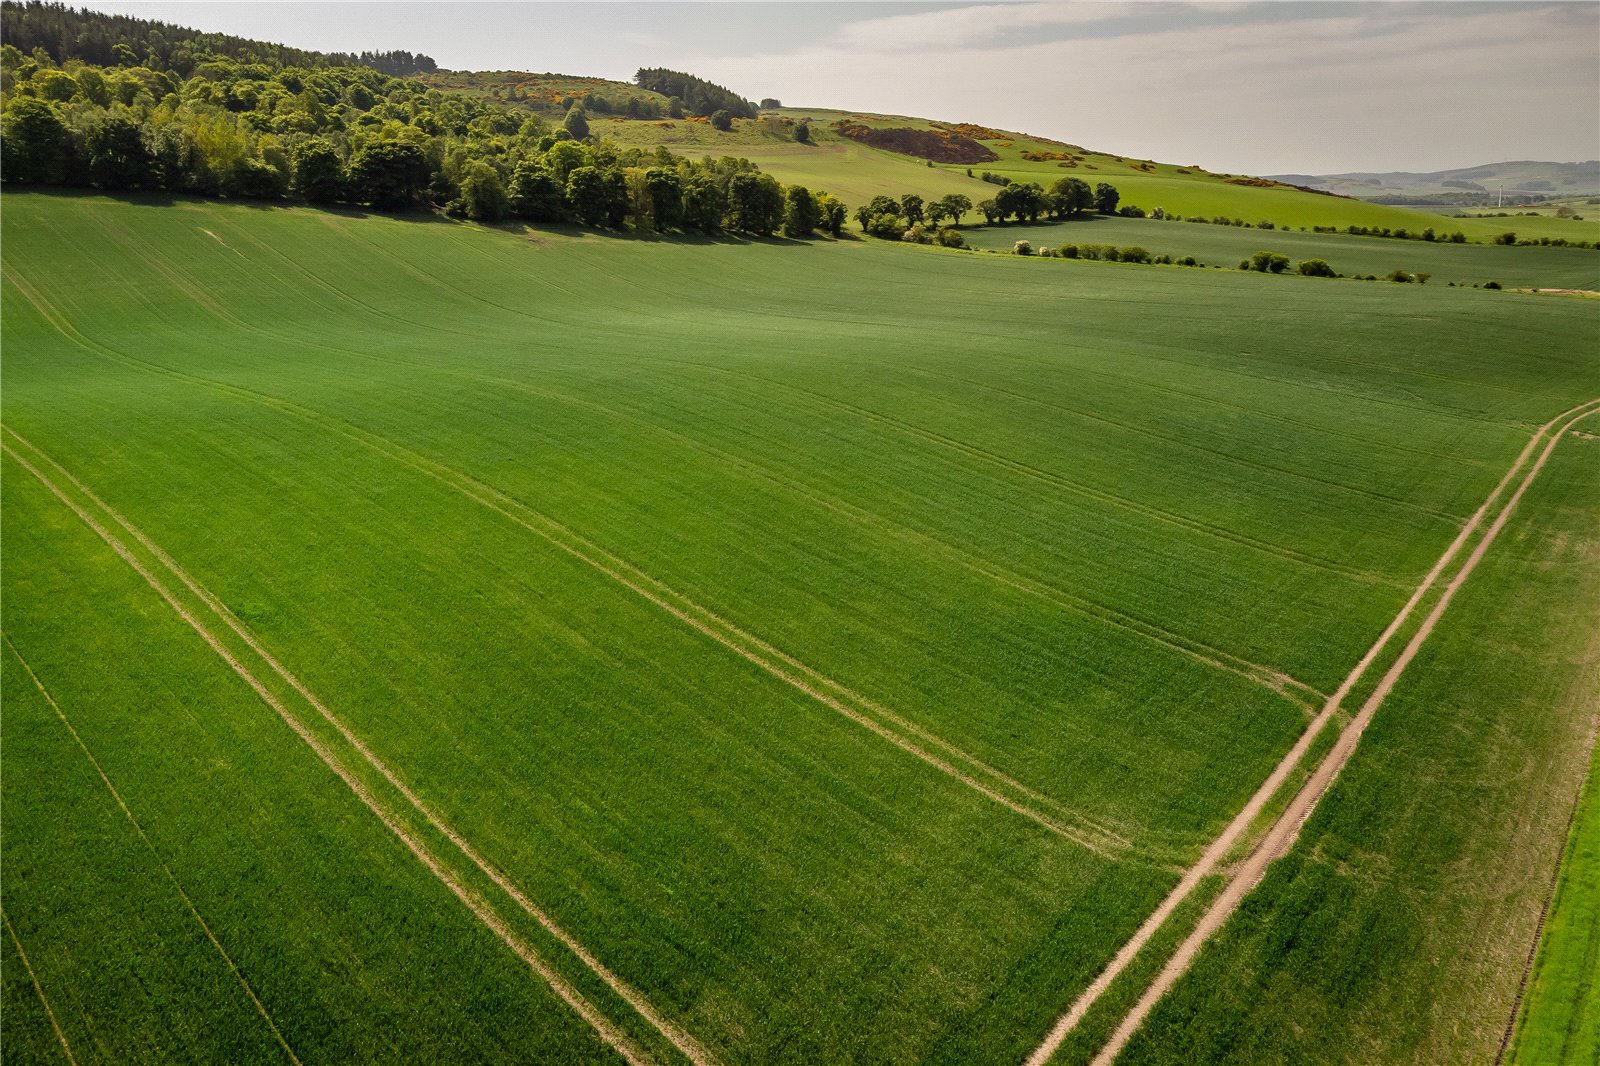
1070 523
1464 264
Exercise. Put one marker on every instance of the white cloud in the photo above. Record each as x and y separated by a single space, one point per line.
1266 90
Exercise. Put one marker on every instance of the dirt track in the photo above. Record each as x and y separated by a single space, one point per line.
1285 828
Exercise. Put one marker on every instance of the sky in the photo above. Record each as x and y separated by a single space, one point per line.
1269 87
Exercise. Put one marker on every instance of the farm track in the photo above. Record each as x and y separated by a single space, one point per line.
188 902
608 1031
832 694
44 1001
1280 835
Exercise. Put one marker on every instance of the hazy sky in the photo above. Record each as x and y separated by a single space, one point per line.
1270 87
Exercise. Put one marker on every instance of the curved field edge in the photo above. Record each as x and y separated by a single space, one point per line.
1396 928
1559 1019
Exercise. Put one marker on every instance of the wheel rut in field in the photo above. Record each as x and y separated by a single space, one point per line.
1281 833
177 886
977 775
608 1031
44 1001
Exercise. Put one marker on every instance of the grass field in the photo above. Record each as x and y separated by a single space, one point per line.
1398 928
1560 1020
1464 264
753 652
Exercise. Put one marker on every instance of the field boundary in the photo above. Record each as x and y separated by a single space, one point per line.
1288 822
608 1031
244 982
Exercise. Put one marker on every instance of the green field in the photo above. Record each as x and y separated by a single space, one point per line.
1560 1020
1225 246
1398 928
1178 188
800 651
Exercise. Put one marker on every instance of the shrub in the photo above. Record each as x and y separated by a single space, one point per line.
889 227
1022 248
721 120
952 238
1491 285
1268 262
1506 238
1134 254
917 233
1069 251
1398 275
1422 277
1315 268
1187 261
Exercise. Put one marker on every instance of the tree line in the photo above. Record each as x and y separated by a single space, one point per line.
353 135
64 33
699 97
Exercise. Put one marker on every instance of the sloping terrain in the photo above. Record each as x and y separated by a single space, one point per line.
684 650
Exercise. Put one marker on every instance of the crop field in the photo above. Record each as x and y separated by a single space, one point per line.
1224 246
535 646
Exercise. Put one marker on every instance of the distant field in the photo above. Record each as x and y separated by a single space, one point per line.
1192 190
856 173
1465 264
683 650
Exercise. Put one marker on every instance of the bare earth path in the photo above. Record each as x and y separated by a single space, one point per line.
1286 827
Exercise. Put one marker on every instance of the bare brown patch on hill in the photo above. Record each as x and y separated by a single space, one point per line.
941 146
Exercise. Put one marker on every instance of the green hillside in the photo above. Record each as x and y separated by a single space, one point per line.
695 650
857 172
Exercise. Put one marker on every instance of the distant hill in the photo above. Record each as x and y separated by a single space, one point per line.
1521 180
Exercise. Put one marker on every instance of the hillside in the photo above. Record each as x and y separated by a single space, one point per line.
1521 181
849 167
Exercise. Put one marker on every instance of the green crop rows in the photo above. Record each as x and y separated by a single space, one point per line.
841 646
